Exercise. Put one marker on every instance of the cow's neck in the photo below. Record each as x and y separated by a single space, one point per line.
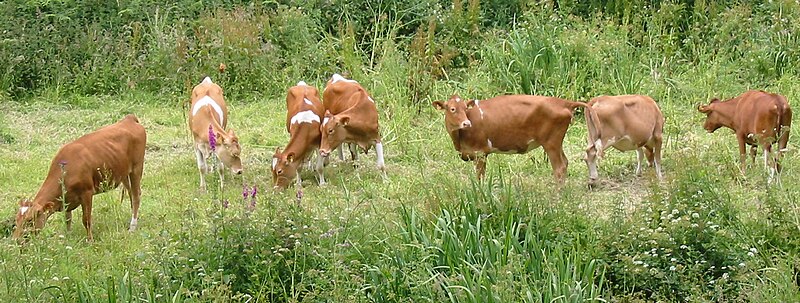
299 144
51 191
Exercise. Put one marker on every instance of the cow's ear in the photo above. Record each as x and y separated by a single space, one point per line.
344 120
290 157
470 103
703 109
715 100
438 105
49 206
277 150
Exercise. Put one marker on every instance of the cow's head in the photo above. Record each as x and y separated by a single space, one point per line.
714 120
334 131
31 215
284 168
228 151
455 112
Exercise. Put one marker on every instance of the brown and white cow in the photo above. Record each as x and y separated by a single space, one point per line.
350 117
628 122
304 110
511 124
209 115
92 164
757 118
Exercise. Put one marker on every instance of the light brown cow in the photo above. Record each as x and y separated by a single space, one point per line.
629 122
304 110
209 115
350 117
757 118
512 124
92 164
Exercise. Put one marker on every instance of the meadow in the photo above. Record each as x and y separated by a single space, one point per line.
429 231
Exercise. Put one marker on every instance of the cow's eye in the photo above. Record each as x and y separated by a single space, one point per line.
452 109
280 171
330 131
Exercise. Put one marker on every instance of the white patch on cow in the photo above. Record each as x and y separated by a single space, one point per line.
598 145
325 121
23 209
305 117
489 142
379 150
766 158
302 83
134 221
458 99
308 101
783 150
274 162
338 77
370 99
207 80
206 100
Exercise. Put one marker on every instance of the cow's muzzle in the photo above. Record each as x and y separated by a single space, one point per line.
466 124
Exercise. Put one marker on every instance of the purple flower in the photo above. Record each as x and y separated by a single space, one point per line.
212 138
245 192
255 190
225 203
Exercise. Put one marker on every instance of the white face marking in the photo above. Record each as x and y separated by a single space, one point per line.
207 80
370 99
307 101
338 77
206 100
302 83
325 121
458 99
305 117
274 162
23 209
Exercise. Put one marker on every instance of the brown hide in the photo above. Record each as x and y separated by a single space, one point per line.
209 110
628 122
351 117
92 164
757 118
509 124
303 117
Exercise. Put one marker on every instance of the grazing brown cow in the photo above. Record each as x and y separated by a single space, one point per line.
629 122
350 117
304 110
209 115
757 118
92 164
513 124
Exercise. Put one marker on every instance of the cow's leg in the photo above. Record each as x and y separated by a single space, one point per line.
86 207
135 192
639 159
557 162
480 166
591 163
201 165
753 152
648 153
740 137
657 157
353 151
320 167
379 152
341 152
68 215
783 139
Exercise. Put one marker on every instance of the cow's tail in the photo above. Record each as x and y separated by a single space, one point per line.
592 125
783 124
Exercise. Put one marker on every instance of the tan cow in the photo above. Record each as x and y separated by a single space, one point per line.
92 164
304 110
350 117
512 124
629 122
757 118
209 115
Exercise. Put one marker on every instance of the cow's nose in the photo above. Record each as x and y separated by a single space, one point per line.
237 171
466 124
323 153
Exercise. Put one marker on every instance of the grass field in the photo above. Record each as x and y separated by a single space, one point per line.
428 231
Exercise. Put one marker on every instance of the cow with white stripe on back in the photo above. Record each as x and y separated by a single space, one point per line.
209 116
303 112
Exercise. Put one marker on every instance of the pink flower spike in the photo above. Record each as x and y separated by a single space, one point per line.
255 190
212 138
245 192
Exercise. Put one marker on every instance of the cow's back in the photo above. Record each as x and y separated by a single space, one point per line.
341 96
113 150
759 112
516 113
302 98
203 115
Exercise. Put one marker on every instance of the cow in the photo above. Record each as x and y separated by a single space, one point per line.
510 124
628 122
350 117
95 163
304 110
757 118
208 121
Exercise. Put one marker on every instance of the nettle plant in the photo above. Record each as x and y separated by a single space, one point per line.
682 245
